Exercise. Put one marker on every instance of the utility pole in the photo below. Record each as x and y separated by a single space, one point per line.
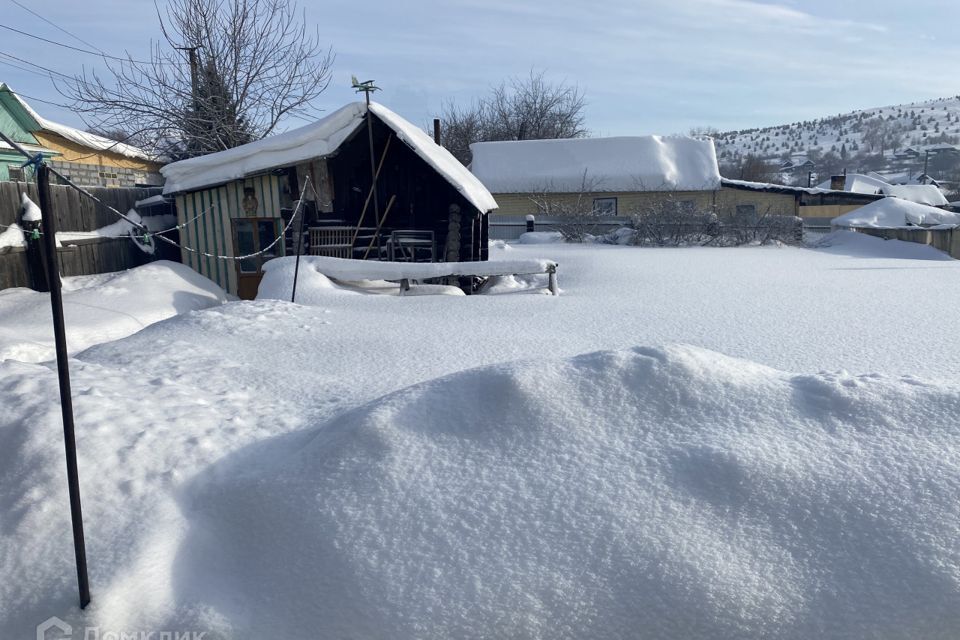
367 87
63 370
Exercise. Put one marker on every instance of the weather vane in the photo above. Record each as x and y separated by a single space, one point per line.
366 87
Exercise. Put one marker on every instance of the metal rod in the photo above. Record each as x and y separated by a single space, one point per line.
296 269
63 371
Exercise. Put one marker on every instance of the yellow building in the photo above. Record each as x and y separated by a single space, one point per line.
85 158
617 177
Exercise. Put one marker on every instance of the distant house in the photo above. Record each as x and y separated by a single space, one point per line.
797 164
618 176
612 175
85 158
237 202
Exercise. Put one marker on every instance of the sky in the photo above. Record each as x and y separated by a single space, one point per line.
645 66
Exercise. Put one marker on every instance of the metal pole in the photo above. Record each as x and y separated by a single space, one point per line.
63 371
296 269
436 130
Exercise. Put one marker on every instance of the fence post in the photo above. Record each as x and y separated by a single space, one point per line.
531 223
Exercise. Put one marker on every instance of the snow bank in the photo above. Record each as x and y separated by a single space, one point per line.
318 140
895 212
101 308
540 237
675 490
672 490
851 243
648 163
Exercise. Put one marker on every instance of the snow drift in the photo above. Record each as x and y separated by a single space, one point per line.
101 308
895 212
674 491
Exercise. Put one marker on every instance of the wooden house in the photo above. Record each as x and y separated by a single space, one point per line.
85 158
425 205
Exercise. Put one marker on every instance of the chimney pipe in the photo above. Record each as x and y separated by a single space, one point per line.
436 130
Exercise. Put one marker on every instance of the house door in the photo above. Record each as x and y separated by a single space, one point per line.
250 236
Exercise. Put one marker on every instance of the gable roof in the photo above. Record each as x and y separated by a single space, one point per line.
318 140
89 140
640 163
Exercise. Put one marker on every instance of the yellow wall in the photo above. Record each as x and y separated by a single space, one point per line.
828 210
72 152
517 204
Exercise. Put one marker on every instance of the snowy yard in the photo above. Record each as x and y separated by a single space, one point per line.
767 447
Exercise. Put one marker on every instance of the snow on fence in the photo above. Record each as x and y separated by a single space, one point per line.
74 212
504 227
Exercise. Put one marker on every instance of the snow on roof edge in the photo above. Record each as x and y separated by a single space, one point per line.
83 138
439 158
316 140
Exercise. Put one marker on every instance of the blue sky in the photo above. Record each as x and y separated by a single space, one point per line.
646 66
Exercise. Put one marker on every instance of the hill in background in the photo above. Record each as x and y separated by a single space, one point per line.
895 140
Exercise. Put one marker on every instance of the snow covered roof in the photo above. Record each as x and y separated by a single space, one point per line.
648 163
896 212
927 194
318 140
89 140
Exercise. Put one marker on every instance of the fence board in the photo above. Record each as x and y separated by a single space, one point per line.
75 212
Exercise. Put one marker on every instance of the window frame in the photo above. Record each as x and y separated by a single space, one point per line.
598 204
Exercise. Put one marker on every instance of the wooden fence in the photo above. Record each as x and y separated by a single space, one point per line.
945 239
74 212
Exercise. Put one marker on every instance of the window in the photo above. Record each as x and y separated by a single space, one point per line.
688 206
252 235
16 173
746 210
605 206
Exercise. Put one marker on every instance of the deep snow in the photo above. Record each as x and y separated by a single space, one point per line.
669 489
894 212
101 308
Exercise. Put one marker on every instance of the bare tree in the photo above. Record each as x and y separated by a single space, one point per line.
753 168
530 108
256 64
576 214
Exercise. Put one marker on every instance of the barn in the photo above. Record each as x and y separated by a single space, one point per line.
424 206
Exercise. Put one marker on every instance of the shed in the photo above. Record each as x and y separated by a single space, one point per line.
237 202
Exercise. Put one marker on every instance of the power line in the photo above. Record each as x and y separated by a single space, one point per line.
34 64
68 46
56 26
